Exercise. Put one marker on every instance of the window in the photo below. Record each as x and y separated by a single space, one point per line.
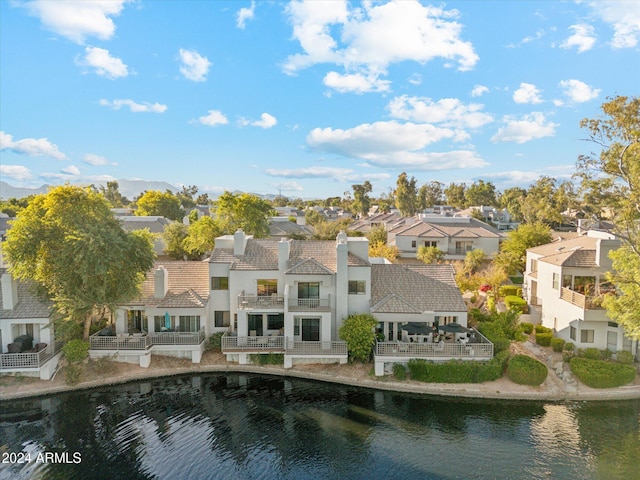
275 321
534 265
189 323
296 326
413 244
586 336
164 323
221 318
556 281
463 247
136 321
572 333
612 324
219 283
428 243
566 281
309 290
266 288
357 287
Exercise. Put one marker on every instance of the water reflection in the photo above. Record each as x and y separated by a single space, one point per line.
250 426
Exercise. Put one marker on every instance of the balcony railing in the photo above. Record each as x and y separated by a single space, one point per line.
275 302
582 301
309 304
29 359
143 342
263 343
482 348
177 338
316 348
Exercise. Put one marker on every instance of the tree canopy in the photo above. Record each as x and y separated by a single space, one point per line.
513 252
245 211
69 243
156 203
406 195
430 254
361 201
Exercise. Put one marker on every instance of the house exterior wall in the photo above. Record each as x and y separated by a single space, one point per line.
489 245
10 328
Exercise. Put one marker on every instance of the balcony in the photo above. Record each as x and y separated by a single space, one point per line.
13 361
316 349
262 344
482 348
254 302
142 342
592 302
310 304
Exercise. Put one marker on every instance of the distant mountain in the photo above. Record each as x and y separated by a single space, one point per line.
128 188
9 191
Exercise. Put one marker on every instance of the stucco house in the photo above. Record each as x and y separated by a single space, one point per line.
566 280
27 340
455 236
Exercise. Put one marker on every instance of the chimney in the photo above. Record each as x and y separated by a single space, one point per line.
9 291
239 242
284 249
161 282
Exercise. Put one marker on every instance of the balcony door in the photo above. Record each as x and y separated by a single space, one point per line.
309 294
310 329
255 324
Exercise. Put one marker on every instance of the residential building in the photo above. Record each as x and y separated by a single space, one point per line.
566 279
27 340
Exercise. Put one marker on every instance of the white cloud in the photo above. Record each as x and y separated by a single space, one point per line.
450 112
103 63
334 173
527 93
356 82
17 172
245 14
583 38
96 160
578 91
524 179
266 121
624 18
71 170
135 107
528 127
287 186
415 79
194 66
77 20
366 40
33 147
213 118
479 90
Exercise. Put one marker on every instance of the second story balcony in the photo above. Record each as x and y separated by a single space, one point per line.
591 302
254 302
310 304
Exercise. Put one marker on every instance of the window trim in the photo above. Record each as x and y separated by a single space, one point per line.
357 287
219 283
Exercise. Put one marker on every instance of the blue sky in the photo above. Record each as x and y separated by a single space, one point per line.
306 98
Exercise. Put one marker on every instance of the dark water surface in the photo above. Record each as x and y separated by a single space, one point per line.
260 427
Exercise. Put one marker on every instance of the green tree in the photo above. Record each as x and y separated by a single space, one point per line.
112 193
512 199
430 194
245 211
313 217
173 236
201 237
358 331
473 260
386 201
382 250
377 234
156 203
454 194
406 195
13 206
513 252
186 197
615 171
540 204
69 243
480 193
361 201
430 254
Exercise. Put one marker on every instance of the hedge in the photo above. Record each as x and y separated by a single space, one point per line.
557 344
399 371
542 329
267 359
624 356
499 343
459 371
527 327
525 370
75 350
544 339
601 374
513 301
507 290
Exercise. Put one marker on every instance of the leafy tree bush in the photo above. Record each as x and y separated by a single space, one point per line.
625 357
513 301
527 327
507 290
430 255
488 329
491 303
590 353
76 351
601 374
382 250
557 344
459 371
154 202
399 371
267 359
72 374
544 339
215 342
358 331
569 346
525 370
542 329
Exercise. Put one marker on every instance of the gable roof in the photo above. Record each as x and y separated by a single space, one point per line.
462 227
407 288
155 224
572 252
28 304
308 266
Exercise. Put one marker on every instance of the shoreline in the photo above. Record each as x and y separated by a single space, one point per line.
502 389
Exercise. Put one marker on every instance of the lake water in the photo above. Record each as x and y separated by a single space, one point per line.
240 426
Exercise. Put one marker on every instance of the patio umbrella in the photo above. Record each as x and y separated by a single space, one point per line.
415 328
453 328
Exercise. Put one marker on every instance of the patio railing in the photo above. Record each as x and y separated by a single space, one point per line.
267 343
267 302
482 348
316 348
177 338
231 343
144 342
29 359
309 304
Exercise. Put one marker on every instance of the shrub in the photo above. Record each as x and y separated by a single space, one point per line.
527 327
567 356
601 374
501 344
358 332
473 299
569 346
525 370
215 342
512 301
75 350
399 371
459 371
625 357
542 329
508 290
590 353
544 339
72 374
557 344
605 354
267 359
491 304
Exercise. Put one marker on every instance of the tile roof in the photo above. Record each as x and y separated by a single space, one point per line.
28 305
188 286
308 266
284 228
464 228
396 288
155 224
572 252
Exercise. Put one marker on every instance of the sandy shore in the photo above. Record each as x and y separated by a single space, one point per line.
360 375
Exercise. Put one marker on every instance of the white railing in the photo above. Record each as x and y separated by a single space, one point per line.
316 348
29 359
119 342
274 302
483 348
268 343
307 304
177 338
